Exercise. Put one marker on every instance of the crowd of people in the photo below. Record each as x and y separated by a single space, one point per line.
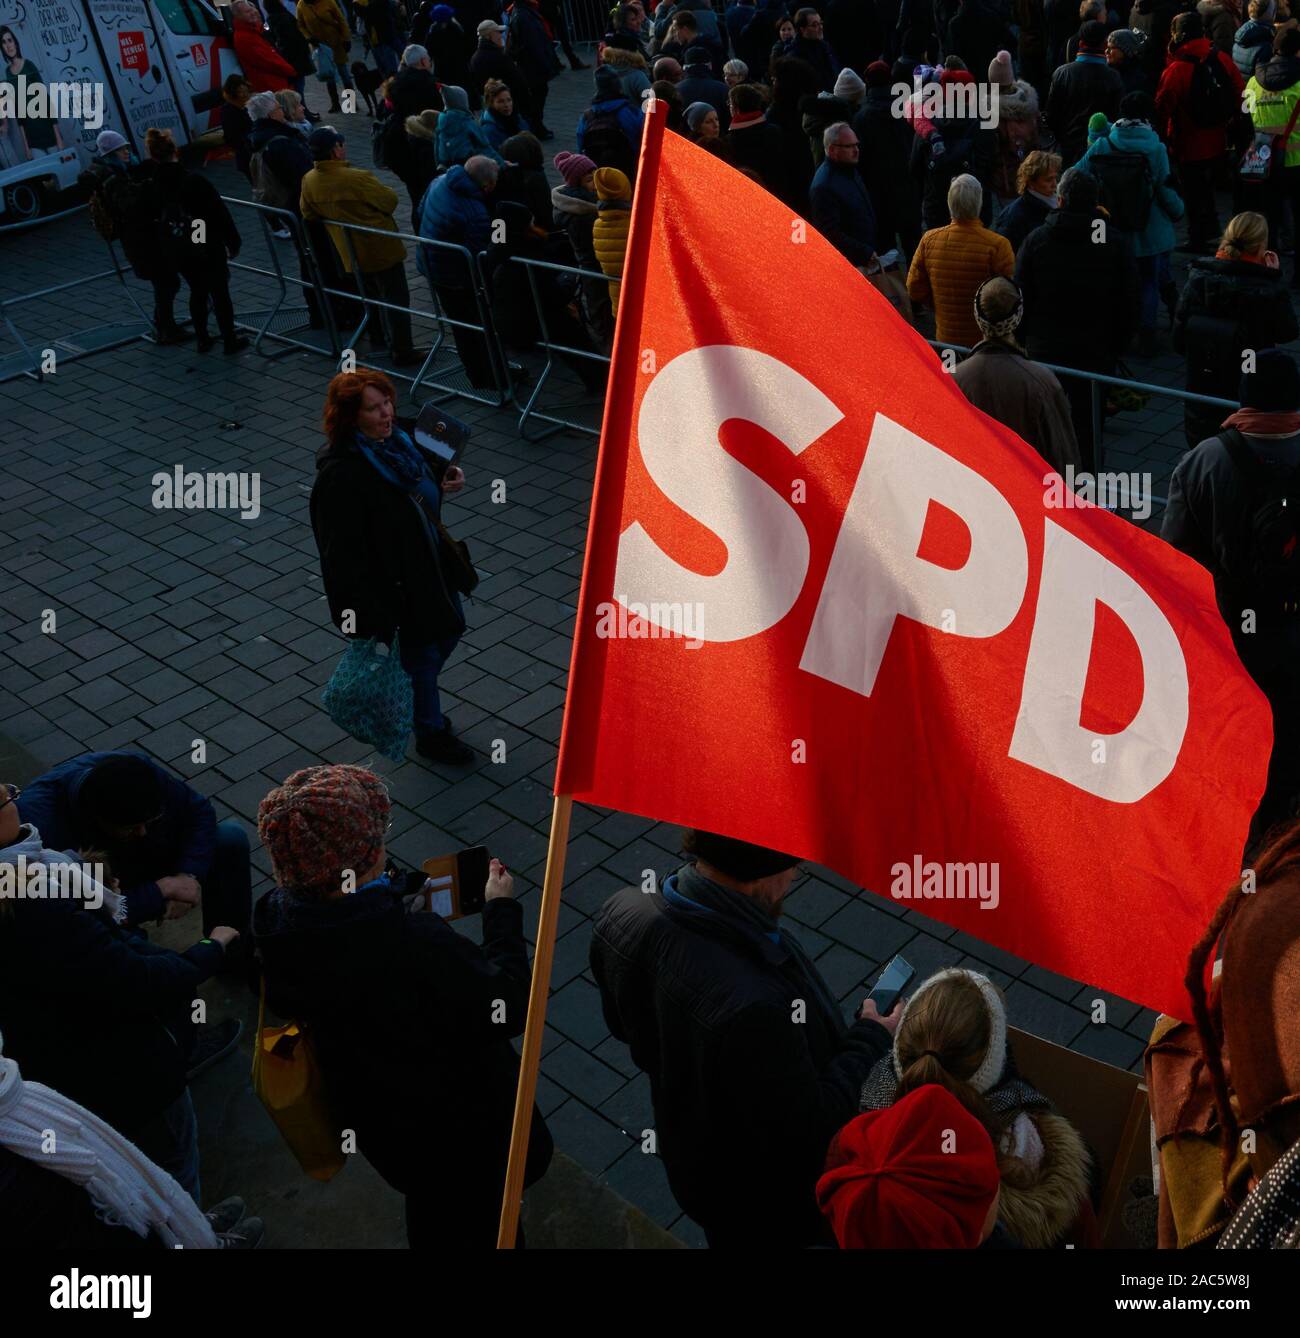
1047 236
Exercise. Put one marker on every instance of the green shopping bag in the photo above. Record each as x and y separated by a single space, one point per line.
369 695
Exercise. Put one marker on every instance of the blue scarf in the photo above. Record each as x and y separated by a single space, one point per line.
1087 58
398 461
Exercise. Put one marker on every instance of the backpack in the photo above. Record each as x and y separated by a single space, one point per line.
604 142
126 200
1212 99
1268 576
101 216
268 189
1128 189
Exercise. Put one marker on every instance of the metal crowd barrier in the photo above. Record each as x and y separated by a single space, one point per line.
75 345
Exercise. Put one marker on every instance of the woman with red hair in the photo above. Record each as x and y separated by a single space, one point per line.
386 560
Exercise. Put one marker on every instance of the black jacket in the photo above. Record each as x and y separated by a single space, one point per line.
284 151
96 1012
180 197
375 556
1025 213
967 147
1225 307
761 147
1080 294
746 1097
489 61
976 33
413 91
287 36
411 1024
1077 91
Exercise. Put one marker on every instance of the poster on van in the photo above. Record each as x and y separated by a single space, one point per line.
46 57
137 68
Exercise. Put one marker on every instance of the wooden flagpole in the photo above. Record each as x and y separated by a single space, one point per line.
617 408
531 1058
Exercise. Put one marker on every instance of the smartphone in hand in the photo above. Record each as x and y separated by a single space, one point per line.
894 979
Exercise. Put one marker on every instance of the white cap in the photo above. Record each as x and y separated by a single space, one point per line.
489 26
109 141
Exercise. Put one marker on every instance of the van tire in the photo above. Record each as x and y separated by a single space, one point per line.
24 202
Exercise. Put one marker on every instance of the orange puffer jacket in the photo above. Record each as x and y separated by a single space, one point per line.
949 265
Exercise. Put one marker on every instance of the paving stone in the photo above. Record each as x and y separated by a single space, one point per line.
867 930
575 1010
1032 1010
594 1143
581 1073
641 1178
1109 1044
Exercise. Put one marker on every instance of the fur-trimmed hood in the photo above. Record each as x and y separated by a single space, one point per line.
624 60
1018 102
1039 1205
573 200
422 126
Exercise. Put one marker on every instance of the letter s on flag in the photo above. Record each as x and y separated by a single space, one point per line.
974 677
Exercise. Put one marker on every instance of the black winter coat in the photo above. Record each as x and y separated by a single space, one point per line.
287 37
1225 307
406 1026
177 194
1025 213
375 555
977 33
489 61
745 1102
1077 91
967 148
414 91
95 1011
1080 295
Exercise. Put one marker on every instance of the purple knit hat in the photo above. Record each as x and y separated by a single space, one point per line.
322 822
573 167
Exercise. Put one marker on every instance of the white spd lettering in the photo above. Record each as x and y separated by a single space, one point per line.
876 577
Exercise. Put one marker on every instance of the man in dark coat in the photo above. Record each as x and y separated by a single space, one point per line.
1084 86
840 208
437 29
884 154
490 61
160 835
530 43
810 45
415 87
1080 283
753 143
752 1068
697 84
410 1021
978 31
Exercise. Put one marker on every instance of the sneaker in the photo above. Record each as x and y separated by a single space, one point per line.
226 1215
281 234
214 1043
246 1236
443 746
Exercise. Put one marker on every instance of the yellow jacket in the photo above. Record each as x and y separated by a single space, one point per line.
949 265
613 219
336 192
323 21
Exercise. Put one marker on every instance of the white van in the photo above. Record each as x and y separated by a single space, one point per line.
158 63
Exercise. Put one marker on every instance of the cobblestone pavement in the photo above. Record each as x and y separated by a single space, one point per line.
176 626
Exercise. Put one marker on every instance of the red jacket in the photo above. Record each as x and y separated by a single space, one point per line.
1189 142
264 67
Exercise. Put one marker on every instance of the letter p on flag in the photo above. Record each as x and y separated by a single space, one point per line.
949 648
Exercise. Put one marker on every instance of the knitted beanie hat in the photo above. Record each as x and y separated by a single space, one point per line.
985 1077
878 74
920 1174
573 166
696 113
1000 71
849 87
608 84
947 77
321 822
1128 40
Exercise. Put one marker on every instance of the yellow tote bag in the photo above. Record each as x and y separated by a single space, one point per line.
288 1083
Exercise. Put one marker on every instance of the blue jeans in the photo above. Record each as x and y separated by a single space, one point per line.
1152 271
171 1139
424 663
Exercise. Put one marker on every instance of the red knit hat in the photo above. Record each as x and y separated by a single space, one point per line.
920 1174
322 821
956 77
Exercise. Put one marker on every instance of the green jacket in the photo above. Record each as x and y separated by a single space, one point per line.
1270 109
338 193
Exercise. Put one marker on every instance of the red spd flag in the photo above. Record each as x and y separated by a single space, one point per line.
831 608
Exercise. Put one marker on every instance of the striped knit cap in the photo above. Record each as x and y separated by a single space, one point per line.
322 821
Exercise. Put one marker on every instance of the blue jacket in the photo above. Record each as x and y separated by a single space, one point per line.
459 137
630 119
495 132
1167 206
528 45
454 209
840 209
736 19
183 840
